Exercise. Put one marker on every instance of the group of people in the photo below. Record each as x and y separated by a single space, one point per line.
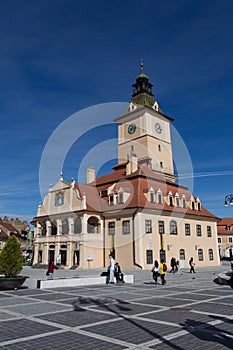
114 271
159 270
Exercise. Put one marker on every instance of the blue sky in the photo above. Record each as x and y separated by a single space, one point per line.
58 57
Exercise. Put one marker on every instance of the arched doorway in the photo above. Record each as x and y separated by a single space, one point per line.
63 253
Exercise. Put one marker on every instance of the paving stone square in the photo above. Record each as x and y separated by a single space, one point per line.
18 328
126 329
141 316
76 318
65 341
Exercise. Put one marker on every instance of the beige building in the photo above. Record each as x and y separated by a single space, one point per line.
225 238
138 211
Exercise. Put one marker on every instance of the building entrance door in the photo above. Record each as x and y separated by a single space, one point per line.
76 259
63 257
51 255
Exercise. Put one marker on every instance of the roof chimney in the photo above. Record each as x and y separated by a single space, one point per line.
90 174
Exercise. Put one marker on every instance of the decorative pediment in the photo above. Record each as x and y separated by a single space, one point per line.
60 186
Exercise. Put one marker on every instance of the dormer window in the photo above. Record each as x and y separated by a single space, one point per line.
170 200
103 193
177 200
111 199
193 205
120 198
198 206
159 197
183 202
151 195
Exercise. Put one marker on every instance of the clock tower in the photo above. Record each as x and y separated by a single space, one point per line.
145 129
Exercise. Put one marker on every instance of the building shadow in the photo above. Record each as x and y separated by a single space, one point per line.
120 308
207 332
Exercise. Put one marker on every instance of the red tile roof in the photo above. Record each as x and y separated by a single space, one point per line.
137 184
225 226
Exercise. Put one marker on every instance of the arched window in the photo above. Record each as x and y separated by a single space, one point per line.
65 227
200 254
54 228
92 225
173 227
211 254
77 225
182 254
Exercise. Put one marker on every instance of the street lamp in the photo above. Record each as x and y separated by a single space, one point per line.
228 200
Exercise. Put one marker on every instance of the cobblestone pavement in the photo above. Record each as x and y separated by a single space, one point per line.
190 312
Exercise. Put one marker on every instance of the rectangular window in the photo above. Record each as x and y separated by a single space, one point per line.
148 224
219 240
209 234
187 230
111 228
230 240
149 256
161 227
125 227
198 228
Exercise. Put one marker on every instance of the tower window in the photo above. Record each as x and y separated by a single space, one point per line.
159 148
161 165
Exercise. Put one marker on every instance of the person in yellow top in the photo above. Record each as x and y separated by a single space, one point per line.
163 269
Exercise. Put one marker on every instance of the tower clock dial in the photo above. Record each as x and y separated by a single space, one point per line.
131 129
158 128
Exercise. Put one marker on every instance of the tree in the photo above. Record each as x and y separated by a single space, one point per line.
11 259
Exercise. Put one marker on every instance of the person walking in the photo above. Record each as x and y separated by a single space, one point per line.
51 269
155 271
111 269
192 264
162 270
173 265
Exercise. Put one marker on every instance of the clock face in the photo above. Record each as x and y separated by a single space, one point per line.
131 128
158 128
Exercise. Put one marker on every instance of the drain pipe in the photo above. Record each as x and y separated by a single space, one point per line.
134 257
